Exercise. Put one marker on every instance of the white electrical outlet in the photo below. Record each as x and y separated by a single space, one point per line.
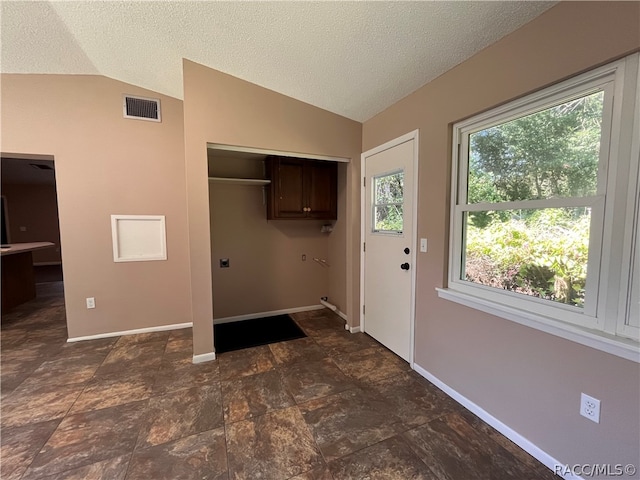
590 407
91 302
423 245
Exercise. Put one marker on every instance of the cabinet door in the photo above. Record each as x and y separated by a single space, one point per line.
288 195
302 188
321 189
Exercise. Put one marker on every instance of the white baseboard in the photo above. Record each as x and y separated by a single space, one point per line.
505 430
161 328
272 313
334 309
346 319
204 357
342 315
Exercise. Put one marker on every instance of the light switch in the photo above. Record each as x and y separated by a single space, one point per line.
423 245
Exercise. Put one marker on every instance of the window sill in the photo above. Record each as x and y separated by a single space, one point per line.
618 346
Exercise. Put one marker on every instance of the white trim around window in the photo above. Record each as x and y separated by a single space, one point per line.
604 320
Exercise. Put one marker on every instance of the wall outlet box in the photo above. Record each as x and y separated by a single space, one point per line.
91 302
423 245
590 407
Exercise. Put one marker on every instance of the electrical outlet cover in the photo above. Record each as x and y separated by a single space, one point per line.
590 407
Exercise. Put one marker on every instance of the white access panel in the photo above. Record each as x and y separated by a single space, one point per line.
138 238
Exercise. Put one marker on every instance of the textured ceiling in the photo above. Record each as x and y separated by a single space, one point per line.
351 58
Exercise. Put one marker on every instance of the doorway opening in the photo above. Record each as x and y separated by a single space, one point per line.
30 231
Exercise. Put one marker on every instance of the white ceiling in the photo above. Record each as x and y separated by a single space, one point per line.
351 58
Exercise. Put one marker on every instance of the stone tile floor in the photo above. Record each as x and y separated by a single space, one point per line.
331 406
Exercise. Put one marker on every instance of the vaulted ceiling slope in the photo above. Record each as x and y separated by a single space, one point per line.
351 58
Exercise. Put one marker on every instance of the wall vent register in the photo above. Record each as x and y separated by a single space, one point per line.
141 108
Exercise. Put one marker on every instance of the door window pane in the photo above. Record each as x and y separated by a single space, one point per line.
388 198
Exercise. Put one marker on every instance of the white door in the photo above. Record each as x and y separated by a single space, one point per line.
388 259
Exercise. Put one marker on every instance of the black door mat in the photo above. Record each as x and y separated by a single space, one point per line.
228 337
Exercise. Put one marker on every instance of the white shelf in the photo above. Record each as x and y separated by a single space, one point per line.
239 181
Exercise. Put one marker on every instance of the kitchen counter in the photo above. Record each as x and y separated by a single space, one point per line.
18 281
14 248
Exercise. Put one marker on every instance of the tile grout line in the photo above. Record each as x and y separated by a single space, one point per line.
126 472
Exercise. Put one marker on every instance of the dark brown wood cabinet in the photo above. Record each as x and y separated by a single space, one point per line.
302 189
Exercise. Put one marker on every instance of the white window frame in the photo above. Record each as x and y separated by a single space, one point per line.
601 323
630 271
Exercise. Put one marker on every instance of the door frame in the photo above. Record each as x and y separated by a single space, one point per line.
414 135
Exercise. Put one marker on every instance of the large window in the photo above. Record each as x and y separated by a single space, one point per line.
544 208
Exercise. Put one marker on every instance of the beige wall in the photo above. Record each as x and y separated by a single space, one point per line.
34 207
529 380
225 110
342 291
266 270
105 165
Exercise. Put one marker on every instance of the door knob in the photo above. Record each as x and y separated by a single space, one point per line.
404 266
407 251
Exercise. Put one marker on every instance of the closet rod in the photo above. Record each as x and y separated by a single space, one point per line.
239 181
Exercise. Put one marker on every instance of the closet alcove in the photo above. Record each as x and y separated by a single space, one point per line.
259 267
